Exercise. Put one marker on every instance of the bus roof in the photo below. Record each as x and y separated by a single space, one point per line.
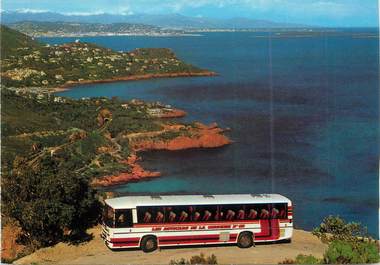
129 202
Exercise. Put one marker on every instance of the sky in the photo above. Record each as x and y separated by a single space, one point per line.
350 13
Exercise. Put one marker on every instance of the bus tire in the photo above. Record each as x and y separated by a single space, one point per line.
148 244
245 240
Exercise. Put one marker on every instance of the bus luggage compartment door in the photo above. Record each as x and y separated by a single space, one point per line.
224 236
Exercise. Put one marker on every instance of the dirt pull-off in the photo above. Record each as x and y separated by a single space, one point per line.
95 252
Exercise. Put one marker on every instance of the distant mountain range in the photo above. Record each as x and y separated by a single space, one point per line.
173 21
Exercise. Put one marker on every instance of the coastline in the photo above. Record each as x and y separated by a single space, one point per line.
70 84
202 137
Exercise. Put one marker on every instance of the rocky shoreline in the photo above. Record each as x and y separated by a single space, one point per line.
202 136
70 84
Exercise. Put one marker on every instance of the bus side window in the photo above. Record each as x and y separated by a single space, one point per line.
281 210
123 218
206 213
232 212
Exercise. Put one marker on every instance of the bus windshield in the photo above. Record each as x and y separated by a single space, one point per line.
108 216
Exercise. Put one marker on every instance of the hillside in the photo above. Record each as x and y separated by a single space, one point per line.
103 134
38 28
28 64
12 40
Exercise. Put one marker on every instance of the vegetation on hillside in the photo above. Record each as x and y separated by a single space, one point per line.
54 147
12 40
348 243
35 65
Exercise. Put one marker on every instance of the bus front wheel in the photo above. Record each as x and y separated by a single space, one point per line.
245 240
149 244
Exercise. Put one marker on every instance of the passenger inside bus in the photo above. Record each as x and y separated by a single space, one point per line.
282 214
264 214
159 217
147 217
252 214
197 215
183 216
241 215
274 213
172 216
218 215
206 215
230 215
121 220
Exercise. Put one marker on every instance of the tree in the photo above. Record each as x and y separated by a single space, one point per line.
335 228
343 252
49 201
347 242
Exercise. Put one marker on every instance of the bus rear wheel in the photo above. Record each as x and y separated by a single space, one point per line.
149 244
245 240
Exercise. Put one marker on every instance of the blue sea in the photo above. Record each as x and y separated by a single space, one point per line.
303 112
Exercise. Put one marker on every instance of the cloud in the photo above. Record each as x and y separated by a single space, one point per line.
84 13
29 10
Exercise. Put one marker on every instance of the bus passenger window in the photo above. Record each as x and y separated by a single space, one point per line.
252 214
147 217
206 215
241 215
197 215
264 214
183 216
123 218
282 214
159 217
172 216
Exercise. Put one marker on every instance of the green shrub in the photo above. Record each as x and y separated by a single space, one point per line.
342 252
307 259
335 228
302 259
198 259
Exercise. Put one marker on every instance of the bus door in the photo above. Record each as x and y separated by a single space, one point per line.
269 222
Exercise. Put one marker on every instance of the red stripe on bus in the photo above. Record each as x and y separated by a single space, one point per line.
125 240
197 223
125 244
216 241
193 237
169 240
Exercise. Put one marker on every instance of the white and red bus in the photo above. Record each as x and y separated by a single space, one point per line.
148 222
